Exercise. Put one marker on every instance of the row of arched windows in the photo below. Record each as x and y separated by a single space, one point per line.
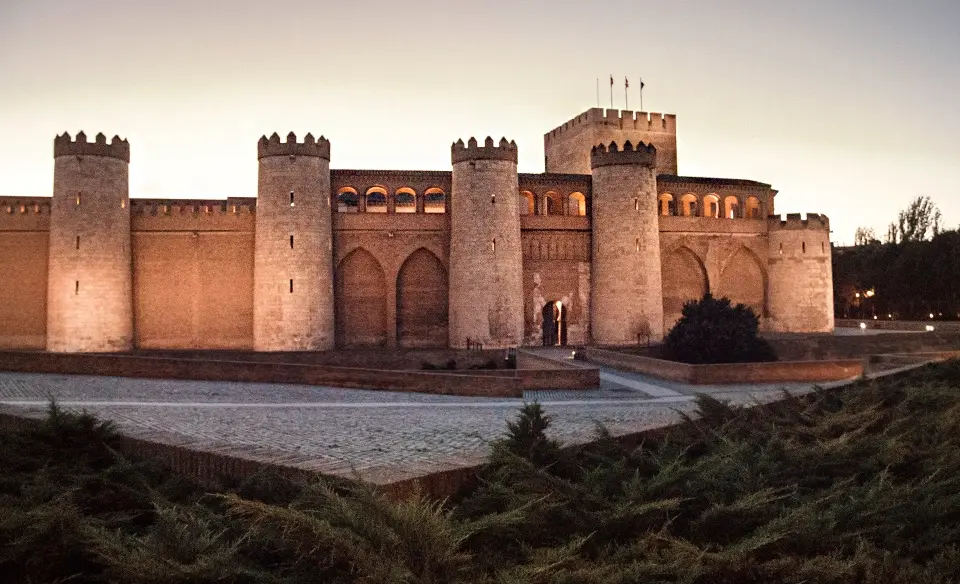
690 205
552 203
404 200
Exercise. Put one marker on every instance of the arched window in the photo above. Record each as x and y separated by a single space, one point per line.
689 205
753 208
348 201
434 201
526 203
711 206
667 205
731 207
552 204
405 201
376 200
577 204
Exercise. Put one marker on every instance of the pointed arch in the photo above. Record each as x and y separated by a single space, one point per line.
422 301
744 280
684 279
361 300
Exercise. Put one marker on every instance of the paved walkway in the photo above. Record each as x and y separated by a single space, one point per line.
380 436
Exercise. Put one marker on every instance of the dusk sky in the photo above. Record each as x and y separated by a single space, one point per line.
847 108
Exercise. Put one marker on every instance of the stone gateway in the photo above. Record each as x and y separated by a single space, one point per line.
604 247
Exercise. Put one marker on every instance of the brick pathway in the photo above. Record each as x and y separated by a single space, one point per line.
380 436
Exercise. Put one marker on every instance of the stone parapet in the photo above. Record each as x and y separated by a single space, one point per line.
471 151
613 155
814 221
272 146
64 146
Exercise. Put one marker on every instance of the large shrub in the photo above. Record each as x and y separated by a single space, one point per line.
710 330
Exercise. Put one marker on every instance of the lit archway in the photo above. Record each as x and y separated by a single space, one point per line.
667 205
731 207
348 200
711 206
405 200
376 200
689 205
434 200
753 209
577 204
526 203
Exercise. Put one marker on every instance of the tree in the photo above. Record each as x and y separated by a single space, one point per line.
865 236
710 330
920 219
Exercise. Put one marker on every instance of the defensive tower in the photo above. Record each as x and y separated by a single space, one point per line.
89 285
293 271
567 148
626 303
486 276
800 274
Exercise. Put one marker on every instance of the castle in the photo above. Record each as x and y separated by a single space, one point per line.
604 247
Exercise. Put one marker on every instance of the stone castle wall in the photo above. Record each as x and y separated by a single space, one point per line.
480 253
567 147
627 290
486 287
90 288
800 297
293 272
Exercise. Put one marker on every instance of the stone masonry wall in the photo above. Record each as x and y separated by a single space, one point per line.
293 272
486 289
90 300
24 245
801 275
567 148
627 291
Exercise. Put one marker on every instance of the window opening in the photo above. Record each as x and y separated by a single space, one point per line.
291 241
291 199
291 285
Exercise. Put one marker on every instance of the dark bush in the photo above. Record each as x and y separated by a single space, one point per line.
710 330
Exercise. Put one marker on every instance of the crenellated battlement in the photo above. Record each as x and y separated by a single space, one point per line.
63 145
24 206
814 221
613 155
461 152
158 207
319 148
621 119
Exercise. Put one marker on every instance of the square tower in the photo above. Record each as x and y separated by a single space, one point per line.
567 148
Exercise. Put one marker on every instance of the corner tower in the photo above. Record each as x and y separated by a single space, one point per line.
567 148
90 290
626 305
293 271
486 274
800 274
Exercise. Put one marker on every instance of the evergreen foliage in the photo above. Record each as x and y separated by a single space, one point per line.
860 484
710 330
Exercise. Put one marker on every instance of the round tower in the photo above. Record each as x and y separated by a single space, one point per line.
486 274
800 274
626 305
293 271
90 289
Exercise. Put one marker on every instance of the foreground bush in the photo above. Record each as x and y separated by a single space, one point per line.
710 330
854 485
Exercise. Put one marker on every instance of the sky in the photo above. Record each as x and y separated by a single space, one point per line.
851 109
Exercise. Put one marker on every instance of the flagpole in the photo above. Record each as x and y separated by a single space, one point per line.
626 98
611 92
641 94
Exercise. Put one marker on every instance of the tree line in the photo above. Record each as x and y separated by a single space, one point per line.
913 274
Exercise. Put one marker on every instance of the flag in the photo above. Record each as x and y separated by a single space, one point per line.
611 80
641 85
626 83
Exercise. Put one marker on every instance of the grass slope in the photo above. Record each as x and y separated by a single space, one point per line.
853 485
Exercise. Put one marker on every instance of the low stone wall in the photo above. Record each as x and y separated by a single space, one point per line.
727 373
808 347
945 326
534 373
508 383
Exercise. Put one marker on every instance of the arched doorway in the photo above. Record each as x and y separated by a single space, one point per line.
361 308
554 323
422 301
